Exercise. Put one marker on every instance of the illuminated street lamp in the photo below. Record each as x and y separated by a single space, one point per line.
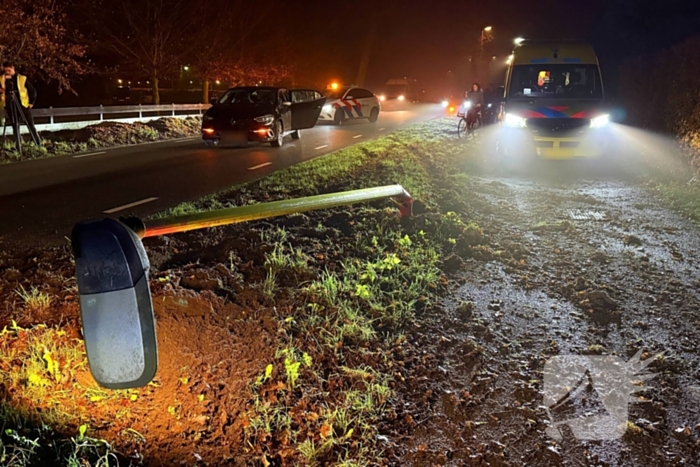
486 36
186 68
519 41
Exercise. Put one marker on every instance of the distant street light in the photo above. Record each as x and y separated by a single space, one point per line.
186 68
119 81
519 41
486 36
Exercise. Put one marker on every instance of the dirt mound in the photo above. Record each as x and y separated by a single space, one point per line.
209 352
176 127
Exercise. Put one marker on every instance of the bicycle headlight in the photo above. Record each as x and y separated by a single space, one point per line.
513 121
600 122
467 104
266 119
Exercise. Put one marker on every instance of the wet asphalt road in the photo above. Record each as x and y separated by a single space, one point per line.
41 200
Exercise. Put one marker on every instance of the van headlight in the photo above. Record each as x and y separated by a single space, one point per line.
514 121
600 122
265 119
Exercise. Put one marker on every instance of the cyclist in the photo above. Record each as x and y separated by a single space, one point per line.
476 98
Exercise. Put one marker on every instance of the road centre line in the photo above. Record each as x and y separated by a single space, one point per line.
321 147
130 205
357 136
88 155
382 129
260 166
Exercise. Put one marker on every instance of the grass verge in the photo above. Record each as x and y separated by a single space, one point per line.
328 393
346 286
682 197
102 136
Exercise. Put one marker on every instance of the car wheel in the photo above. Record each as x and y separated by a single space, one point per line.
374 115
279 136
339 117
296 134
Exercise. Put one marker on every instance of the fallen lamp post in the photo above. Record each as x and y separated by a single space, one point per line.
112 274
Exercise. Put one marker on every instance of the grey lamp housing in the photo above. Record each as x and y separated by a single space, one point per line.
115 304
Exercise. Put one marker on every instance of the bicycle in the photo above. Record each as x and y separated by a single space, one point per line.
463 127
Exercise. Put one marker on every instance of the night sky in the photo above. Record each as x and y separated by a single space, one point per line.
424 39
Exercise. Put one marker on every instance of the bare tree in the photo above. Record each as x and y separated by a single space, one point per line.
152 38
240 44
35 37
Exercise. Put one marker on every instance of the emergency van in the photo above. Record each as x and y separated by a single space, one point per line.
553 104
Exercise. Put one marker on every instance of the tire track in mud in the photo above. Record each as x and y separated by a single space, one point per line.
573 287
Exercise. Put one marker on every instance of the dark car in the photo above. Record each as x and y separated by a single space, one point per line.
263 114
122 95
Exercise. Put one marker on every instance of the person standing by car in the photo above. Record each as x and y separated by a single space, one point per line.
13 83
476 100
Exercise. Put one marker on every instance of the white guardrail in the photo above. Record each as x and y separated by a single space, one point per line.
75 118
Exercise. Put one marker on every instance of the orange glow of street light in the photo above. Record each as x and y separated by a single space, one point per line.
334 86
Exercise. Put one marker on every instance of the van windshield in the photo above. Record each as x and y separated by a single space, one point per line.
556 82
395 89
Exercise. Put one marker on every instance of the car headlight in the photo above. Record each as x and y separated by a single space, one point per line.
207 118
327 108
600 122
401 97
266 119
382 98
514 121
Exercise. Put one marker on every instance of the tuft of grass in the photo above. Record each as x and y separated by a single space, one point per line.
684 198
40 368
34 299
180 210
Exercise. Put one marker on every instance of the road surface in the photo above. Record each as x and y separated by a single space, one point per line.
41 200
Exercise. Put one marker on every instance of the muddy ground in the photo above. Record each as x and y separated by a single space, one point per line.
582 260
560 259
